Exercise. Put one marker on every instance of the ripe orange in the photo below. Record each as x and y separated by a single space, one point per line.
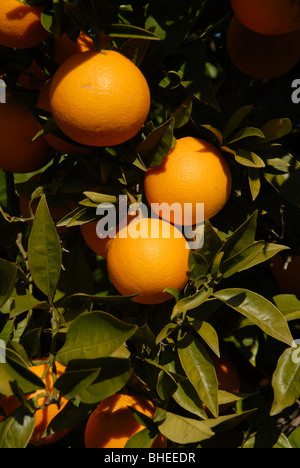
18 153
286 277
261 56
99 98
58 144
268 16
146 257
99 245
44 415
20 25
63 47
193 172
112 423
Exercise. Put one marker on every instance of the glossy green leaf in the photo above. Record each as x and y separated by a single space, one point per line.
191 302
93 381
243 236
259 310
157 145
142 439
128 30
240 261
276 128
183 430
289 306
200 371
286 380
288 183
16 430
248 158
246 132
254 181
16 369
94 335
207 332
44 250
237 117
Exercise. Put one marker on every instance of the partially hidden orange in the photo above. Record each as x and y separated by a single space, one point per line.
18 127
268 16
20 25
193 173
112 423
99 98
147 257
262 56
57 143
44 415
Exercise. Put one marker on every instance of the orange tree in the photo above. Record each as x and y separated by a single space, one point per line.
58 303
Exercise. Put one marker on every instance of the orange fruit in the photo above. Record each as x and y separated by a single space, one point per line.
63 47
146 257
112 423
193 172
227 374
44 415
18 153
268 16
262 56
99 98
286 277
20 25
99 245
58 144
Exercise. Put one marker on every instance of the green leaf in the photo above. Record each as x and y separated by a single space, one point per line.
268 251
288 183
44 250
16 369
286 380
142 439
158 144
130 31
289 306
94 335
183 113
16 430
241 260
183 430
200 371
246 133
242 237
248 158
276 128
217 133
8 277
191 302
207 332
254 181
93 381
259 310
237 117
185 395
